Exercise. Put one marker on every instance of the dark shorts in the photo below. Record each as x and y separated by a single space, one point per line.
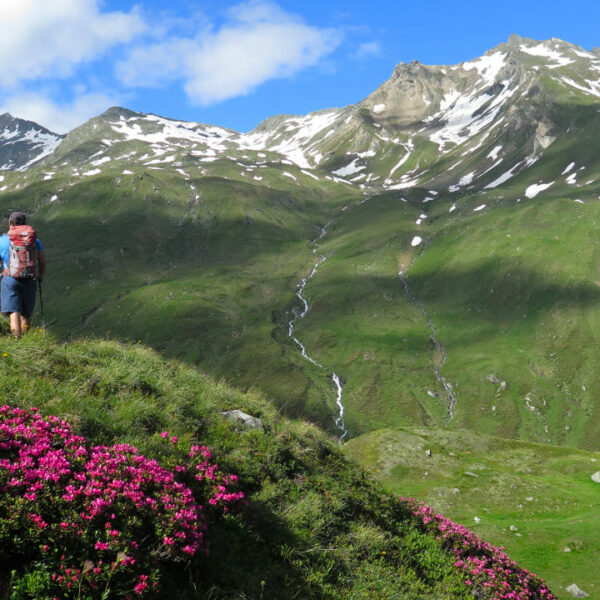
18 295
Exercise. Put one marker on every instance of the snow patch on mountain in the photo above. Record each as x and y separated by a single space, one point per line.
467 179
571 179
101 161
541 50
294 138
593 89
504 177
533 190
409 147
488 66
350 169
465 116
494 153
177 133
310 174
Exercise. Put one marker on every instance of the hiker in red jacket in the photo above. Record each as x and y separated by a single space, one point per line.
24 263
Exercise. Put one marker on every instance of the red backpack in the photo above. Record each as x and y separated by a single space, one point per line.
23 253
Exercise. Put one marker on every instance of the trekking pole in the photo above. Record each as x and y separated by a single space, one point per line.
42 308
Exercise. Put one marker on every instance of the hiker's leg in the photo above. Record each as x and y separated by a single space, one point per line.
10 299
28 292
25 324
15 324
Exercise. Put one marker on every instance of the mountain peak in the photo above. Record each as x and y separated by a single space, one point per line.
23 143
114 113
515 39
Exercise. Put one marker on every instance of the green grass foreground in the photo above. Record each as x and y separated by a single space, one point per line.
315 526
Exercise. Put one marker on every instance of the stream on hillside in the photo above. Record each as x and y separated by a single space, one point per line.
339 421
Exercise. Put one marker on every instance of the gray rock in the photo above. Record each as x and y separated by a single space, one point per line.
470 474
576 591
243 418
596 477
493 379
428 452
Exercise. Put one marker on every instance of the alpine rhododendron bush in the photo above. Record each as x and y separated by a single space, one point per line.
102 521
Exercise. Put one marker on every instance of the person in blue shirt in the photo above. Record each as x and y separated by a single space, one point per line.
17 295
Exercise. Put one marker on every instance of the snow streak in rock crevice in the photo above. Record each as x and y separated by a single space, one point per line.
339 422
451 399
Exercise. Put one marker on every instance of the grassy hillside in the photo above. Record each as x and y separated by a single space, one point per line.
537 500
315 525
512 293
204 270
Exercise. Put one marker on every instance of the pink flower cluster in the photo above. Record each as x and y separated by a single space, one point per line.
486 567
123 513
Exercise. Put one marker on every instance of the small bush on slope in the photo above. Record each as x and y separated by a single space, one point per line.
314 526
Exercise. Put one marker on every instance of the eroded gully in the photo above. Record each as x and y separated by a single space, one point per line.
450 397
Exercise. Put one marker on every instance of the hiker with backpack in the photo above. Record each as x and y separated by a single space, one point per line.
24 264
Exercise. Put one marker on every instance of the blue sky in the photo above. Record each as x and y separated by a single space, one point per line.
236 63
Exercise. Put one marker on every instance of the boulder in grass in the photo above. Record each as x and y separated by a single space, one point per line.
576 591
243 418
596 477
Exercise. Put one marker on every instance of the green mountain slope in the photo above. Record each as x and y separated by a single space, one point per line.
194 238
511 291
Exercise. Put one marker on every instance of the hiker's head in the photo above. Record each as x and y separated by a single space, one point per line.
17 218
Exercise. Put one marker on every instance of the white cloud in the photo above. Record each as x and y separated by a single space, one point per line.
45 38
259 42
367 50
58 117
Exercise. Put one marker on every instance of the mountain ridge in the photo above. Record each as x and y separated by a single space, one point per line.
449 107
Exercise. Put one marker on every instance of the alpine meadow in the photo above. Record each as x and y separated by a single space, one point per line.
405 295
